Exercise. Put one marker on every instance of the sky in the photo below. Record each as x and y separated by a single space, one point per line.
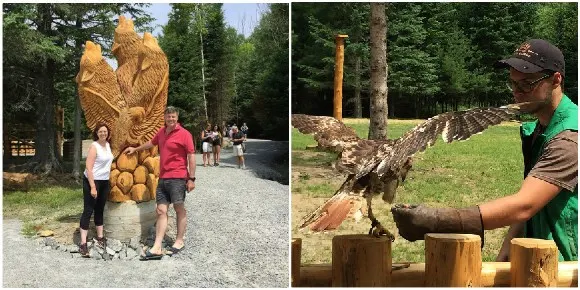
244 17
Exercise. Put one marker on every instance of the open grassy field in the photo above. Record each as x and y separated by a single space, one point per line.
459 174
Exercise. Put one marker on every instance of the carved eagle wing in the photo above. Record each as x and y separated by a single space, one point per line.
150 84
99 94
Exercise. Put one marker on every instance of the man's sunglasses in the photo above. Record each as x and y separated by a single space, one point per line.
524 86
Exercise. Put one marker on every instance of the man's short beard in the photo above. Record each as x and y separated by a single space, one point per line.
536 107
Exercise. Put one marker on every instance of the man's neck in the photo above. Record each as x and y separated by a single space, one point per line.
546 113
170 128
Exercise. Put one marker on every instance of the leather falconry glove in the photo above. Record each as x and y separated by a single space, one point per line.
414 221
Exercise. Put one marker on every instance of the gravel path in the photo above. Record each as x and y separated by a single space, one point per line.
237 236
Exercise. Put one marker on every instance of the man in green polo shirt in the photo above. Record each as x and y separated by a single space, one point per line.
546 205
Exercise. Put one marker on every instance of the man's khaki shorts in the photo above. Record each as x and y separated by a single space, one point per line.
238 150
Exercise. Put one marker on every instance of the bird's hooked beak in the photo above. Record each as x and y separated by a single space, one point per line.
519 106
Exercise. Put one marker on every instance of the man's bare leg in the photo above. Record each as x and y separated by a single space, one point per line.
160 228
181 225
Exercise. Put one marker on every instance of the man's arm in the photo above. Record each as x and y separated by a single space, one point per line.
414 222
520 207
191 171
131 150
191 165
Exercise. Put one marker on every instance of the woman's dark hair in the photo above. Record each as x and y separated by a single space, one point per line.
96 130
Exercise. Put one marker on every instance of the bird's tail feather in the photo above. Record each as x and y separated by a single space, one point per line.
333 212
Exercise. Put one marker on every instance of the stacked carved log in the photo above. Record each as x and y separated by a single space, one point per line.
135 177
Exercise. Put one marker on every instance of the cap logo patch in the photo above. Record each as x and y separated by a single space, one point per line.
524 50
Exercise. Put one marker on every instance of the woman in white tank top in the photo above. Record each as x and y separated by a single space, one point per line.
96 186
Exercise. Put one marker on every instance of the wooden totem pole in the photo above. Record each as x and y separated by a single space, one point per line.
131 101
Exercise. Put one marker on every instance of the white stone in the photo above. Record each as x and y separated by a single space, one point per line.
115 245
134 243
131 253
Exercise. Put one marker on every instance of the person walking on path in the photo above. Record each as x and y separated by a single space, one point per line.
206 145
216 143
177 174
244 129
96 186
238 138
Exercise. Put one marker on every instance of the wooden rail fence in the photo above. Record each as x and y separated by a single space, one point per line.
451 260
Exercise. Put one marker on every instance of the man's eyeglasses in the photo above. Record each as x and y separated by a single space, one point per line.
524 86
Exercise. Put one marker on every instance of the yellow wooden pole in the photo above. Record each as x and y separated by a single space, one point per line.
338 74
493 274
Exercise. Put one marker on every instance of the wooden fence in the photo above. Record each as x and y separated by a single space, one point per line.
451 260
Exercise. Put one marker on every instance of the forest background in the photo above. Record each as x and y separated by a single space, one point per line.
440 56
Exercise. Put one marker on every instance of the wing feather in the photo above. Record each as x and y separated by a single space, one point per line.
452 126
328 132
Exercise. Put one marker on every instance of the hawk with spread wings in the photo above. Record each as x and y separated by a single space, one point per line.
379 166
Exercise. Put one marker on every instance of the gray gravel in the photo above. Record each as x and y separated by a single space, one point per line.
237 236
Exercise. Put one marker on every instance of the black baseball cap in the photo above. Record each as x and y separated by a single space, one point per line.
535 55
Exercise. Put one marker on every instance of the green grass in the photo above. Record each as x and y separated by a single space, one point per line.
43 206
459 174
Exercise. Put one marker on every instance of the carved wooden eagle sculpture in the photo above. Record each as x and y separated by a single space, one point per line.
132 99
379 166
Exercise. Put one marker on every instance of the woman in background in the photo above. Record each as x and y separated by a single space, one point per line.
206 145
216 144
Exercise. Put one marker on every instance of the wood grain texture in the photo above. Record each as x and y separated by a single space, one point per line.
361 261
452 260
534 263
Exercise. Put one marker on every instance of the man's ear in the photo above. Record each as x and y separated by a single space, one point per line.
558 79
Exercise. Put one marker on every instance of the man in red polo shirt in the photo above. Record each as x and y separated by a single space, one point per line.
176 152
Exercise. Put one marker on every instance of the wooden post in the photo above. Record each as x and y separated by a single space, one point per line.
338 73
493 274
534 263
452 260
296 252
59 115
361 261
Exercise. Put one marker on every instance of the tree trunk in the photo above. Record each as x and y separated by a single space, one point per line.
7 147
357 85
77 114
379 108
46 157
202 64
416 101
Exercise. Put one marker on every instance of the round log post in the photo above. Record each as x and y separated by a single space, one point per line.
296 252
338 75
534 263
125 220
452 260
361 261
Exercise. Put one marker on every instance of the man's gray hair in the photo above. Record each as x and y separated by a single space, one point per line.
171 110
235 127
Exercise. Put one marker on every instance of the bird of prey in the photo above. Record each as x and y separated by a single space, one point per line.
379 166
